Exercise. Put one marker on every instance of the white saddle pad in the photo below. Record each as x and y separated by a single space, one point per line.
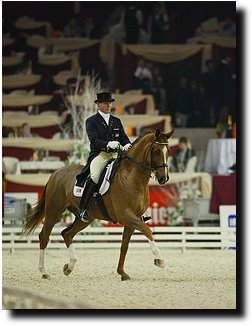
78 191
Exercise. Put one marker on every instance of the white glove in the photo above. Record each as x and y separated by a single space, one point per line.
127 147
113 144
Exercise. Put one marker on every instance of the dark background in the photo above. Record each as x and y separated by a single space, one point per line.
187 14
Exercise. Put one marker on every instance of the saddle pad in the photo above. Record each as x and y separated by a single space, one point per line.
78 191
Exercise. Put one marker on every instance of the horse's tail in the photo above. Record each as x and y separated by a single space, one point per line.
34 216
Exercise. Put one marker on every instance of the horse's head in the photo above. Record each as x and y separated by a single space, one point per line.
154 149
159 152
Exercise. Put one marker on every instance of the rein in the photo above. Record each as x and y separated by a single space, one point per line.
140 165
154 166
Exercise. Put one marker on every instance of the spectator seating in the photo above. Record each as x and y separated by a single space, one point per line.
10 164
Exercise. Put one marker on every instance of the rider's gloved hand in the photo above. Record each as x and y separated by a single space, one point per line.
127 147
113 144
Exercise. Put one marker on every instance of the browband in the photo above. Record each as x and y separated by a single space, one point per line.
156 142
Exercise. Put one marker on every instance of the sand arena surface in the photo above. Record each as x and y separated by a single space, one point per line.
197 279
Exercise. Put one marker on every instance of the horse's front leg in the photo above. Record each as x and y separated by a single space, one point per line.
127 233
133 221
68 235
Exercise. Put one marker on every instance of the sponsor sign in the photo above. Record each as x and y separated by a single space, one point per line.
228 221
163 201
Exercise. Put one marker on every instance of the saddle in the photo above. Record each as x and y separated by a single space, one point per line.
104 183
105 179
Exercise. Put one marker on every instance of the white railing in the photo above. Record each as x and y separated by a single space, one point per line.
110 237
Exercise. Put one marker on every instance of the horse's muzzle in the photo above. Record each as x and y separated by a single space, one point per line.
162 180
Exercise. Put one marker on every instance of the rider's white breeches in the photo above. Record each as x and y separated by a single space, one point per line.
99 163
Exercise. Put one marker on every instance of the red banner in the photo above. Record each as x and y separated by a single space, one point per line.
165 199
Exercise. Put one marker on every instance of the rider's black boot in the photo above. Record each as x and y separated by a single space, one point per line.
86 199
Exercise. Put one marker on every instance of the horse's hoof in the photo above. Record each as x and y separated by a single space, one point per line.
159 263
46 276
125 277
66 269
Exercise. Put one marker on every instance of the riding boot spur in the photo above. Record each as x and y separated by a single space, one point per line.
86 199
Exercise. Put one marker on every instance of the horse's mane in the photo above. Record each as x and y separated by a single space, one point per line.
143 133
148 132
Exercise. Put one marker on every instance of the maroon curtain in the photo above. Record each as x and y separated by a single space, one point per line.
224 192
24 154
42 107
139 108
90 60
10 70
159 125
46 132
16 187
125 66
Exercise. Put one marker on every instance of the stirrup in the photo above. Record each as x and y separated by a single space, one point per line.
84 215
145 218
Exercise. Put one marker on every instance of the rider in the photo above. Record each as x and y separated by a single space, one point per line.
106 134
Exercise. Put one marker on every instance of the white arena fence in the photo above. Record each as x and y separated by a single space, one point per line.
110 237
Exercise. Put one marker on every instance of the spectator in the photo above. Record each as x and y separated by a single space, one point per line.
159 92
90 30
183 154
147 78
72 29
143 76
114 19
25 131
133 21
138 74
158 25
180 98
209 83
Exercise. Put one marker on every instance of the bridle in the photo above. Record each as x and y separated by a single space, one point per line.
154 166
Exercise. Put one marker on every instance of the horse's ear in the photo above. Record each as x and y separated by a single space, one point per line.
157 133
169 134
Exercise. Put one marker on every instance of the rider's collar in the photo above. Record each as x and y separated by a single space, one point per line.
105 116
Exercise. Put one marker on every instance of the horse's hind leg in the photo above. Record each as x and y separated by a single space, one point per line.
127 233
43 241
68 235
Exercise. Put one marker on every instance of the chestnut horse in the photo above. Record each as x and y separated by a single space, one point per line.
148 155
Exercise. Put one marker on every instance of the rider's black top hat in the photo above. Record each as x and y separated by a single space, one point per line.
104 97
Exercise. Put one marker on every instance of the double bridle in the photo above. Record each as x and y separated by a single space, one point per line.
154 166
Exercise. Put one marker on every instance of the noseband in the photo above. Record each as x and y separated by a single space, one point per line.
154 166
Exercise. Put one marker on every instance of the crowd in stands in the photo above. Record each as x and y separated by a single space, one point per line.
215 27
127 24
200 101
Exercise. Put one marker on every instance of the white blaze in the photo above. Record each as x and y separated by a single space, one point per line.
165 161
